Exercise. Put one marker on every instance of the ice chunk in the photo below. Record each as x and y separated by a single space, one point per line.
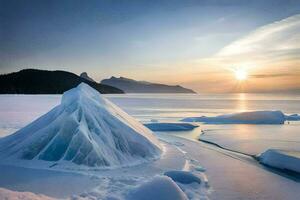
200 168
284 160
85 129
170 126
159 188
183 177
254 117
293 117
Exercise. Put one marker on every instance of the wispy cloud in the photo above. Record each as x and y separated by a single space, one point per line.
271 51
282 35
272 75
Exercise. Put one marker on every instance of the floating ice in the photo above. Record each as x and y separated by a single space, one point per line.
85 129
170 126
285 160
159 188
254 117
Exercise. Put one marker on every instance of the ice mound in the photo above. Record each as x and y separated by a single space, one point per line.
159 188
170 126
284 160
254 117
183 177
85 129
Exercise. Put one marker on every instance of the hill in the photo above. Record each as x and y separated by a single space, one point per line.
133 86
34 81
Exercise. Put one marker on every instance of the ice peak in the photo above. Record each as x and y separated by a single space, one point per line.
85 129
83 90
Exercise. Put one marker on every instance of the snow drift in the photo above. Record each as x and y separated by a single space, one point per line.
254 117
284 160
85 129
183 177
159 188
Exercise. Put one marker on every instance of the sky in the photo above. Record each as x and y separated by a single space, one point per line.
199 44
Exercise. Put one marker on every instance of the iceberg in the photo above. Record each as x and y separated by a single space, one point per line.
254 117
281 159
84 130
170 126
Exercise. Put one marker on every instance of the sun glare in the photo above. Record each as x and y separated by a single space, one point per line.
240 74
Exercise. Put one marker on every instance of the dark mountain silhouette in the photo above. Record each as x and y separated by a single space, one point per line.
133 86
34 81
86 76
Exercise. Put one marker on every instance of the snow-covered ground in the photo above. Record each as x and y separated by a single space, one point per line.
234 176
223 174
102 184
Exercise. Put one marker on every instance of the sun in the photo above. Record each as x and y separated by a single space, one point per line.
240 74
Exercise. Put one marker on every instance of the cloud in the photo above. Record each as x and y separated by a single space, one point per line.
278 36
272 75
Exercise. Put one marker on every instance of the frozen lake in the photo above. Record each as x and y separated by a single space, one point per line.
18 110
226 174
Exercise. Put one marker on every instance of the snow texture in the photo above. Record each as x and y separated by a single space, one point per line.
254 117
170 126
284 160
183 177
159 188
85 129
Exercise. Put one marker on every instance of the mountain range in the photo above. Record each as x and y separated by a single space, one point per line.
133 86
34 81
